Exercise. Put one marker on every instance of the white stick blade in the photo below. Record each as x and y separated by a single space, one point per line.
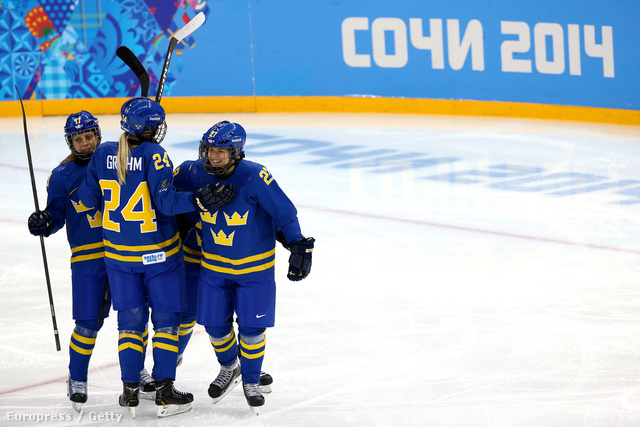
190 27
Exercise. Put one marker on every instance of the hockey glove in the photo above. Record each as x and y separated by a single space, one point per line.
212 198
300 259
40 223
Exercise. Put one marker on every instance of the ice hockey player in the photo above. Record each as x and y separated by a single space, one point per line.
238 256
132 181
90 292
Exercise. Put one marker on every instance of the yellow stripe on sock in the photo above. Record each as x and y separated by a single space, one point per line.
253 346
80 349
163 346
251 356
165 336
83 340
132 336
130 345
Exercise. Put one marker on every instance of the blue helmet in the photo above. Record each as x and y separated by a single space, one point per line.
143 118
79 123
223 135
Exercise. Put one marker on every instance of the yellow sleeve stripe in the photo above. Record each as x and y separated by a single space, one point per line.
191 260
163 346
87 257
130 345
83 340
143 247
192 251
80 349
241 260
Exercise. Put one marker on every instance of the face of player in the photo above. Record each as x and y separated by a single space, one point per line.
219 157
85 142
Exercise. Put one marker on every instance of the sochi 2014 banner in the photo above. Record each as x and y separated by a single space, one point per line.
582 53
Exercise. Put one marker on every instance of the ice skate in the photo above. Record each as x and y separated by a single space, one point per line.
253 396
265 382
171 401
77 392
129 397
147 386
227 379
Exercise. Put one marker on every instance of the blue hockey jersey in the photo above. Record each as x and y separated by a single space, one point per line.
84 224
139 226
238 240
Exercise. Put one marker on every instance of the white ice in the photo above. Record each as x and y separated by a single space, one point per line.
430 302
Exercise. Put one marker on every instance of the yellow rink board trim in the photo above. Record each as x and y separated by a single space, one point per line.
313 104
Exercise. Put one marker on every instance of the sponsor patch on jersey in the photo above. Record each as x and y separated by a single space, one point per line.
154 258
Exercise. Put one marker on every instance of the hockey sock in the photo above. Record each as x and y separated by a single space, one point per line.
130 353
132 325
165 353
187 323
145 340
225 347
251 356
81 346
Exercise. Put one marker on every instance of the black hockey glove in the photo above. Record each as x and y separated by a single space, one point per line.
300 259
212 198
40 223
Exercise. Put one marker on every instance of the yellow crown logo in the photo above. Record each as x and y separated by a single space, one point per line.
222 239
79 207
236 219
96 220
209 217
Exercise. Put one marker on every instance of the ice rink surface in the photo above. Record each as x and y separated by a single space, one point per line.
467 272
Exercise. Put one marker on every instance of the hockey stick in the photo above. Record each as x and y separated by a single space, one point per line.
103 302
136 66
35 199
179 35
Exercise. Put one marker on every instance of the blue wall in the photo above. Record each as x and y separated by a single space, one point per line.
569 52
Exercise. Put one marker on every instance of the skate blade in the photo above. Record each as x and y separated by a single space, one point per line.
255 409
77 406
233 385
265 389
147 395
169 410
132 411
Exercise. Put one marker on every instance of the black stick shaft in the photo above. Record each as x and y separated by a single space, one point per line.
35 200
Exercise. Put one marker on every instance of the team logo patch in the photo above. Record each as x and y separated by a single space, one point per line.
154 258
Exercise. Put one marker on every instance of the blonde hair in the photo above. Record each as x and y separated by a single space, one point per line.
123 158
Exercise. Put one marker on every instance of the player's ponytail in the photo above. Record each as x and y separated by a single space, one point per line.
123 158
